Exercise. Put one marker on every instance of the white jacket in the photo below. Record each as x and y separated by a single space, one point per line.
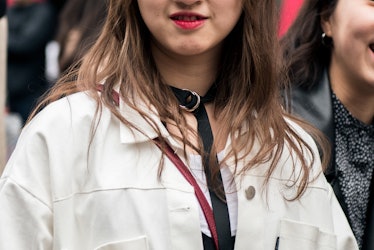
62 191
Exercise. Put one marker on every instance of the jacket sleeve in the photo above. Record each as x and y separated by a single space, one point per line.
25 195
25 219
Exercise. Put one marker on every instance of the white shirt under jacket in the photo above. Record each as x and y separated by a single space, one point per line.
62 191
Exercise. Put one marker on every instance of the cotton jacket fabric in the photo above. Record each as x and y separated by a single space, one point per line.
63 190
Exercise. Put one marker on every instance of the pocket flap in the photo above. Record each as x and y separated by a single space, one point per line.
296 235
139 243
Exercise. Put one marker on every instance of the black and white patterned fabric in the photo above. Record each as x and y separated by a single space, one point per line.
354 156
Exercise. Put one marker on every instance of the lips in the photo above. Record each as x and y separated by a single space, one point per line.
188 20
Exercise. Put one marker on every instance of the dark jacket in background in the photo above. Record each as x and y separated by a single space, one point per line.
31 27
315 105
2 8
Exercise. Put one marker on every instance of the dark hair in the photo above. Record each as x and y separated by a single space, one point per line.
304 54
84 17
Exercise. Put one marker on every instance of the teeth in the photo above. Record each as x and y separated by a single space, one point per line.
187 18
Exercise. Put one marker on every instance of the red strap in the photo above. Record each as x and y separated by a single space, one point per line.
207 210
115 94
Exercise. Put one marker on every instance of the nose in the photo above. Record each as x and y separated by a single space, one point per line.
188 3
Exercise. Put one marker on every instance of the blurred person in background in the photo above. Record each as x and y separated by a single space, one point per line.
3 48
52 49
330 55
80 23
31 26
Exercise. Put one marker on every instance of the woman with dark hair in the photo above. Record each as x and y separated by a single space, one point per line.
80 23
329 52
171 135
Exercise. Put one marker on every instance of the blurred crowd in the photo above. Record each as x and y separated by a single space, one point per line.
44 39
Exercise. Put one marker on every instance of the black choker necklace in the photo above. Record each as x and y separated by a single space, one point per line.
190 100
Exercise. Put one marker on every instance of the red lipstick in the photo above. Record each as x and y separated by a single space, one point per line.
188 20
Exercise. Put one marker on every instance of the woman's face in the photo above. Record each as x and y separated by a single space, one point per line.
189 27
351 28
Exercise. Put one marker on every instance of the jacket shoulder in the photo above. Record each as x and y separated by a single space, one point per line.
75 108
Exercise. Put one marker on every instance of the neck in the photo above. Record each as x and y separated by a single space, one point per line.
361 108
359 101
193 72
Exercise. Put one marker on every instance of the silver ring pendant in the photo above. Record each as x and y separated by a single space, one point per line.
197 102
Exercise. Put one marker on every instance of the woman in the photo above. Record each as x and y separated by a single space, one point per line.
329 51
171 136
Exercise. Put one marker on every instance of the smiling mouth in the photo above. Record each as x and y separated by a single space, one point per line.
187 18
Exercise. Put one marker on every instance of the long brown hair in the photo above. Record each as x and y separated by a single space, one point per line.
248 97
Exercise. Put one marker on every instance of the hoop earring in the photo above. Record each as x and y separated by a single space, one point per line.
325 40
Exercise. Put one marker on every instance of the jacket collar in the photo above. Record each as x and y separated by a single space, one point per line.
143 130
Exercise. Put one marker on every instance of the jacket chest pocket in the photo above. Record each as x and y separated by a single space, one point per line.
295 235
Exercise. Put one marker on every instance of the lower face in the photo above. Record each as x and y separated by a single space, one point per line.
352 31
189 27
